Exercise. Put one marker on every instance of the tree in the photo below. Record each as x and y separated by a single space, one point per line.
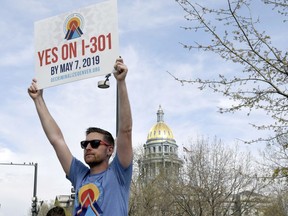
278 204
218 180
275 156
235 36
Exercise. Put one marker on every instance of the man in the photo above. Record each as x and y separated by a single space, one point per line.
104 188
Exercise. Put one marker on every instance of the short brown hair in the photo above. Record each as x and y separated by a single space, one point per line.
107 135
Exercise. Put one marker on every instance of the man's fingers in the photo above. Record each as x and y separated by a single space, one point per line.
118 61
118 66
33 88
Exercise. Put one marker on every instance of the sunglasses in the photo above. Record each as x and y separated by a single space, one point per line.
93 143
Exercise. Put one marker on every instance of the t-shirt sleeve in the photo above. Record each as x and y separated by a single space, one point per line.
77 172
124 175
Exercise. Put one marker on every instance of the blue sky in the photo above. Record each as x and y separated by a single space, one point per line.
149 34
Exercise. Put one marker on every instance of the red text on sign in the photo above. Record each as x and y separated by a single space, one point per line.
48 56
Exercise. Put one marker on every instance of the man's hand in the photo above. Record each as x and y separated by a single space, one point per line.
33 90
121 70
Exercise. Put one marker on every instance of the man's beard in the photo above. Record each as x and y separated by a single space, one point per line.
94 163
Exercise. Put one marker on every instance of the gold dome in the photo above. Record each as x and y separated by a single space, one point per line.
160 130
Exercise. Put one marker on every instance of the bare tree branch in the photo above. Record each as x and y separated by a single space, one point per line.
262 84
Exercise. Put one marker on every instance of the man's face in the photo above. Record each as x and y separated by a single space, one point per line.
95 156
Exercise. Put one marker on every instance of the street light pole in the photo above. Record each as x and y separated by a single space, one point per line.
34 198
103 84
35 180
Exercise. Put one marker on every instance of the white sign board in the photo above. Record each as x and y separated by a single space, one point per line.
76 45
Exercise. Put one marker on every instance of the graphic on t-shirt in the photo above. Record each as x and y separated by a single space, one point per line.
90 197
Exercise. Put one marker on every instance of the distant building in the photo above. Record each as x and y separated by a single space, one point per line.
160 151
65 201
248 203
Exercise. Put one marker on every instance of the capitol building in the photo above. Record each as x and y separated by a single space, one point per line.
160 151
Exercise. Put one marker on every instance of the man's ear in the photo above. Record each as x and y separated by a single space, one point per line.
111 150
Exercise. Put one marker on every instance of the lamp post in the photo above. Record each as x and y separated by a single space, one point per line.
103 84
34 198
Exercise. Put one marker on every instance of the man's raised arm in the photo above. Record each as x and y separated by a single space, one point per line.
124 137
50 127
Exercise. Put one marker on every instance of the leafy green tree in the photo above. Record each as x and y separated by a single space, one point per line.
234 33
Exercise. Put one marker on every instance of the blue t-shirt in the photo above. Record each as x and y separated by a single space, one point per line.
105 193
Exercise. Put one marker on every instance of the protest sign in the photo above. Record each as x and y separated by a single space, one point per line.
76 45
